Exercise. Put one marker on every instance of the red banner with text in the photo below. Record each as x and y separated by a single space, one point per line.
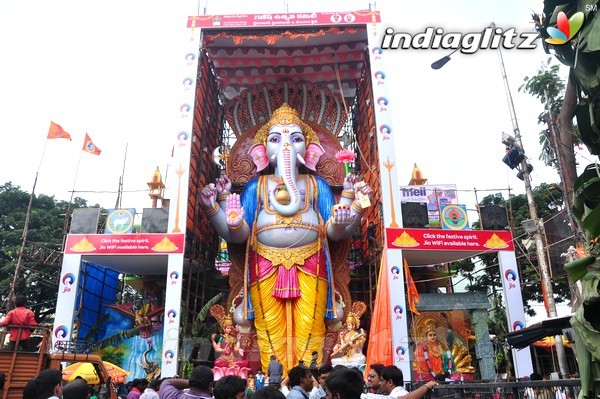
450 240
118 244
284 19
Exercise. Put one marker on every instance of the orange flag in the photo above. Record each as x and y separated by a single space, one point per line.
380 333
411 290
89 146
57 132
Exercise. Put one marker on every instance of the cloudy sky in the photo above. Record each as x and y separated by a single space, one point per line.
111 69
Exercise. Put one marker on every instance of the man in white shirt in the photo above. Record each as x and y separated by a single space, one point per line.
392 382
150 392
319 392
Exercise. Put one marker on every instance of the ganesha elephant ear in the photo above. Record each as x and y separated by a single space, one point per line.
258 152
313 154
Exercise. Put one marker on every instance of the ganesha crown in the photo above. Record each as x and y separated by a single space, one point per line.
285 115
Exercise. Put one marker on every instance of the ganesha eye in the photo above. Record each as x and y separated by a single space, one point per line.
274 139
298 139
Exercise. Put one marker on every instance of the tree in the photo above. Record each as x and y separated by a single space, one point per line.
558 137
583 99
549 200
37 281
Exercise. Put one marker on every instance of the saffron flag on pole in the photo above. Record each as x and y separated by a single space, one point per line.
57 132
411 290
89 146
380 333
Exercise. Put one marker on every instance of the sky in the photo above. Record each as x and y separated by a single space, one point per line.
112 69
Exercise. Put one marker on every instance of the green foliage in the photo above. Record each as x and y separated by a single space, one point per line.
200 329
547 86
115 339
548 199
36 280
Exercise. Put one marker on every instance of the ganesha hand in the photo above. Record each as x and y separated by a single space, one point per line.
223 185
341 217
234 212
208 196
349 181
364 189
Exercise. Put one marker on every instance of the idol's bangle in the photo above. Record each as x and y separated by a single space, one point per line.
348 194
357 207
223 196
236 228
213 211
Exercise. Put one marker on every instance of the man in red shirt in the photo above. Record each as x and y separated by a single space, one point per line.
20 316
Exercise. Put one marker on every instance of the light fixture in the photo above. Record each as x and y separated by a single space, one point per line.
529 225
508 140
443 61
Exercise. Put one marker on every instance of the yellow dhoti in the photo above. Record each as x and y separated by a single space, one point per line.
289 319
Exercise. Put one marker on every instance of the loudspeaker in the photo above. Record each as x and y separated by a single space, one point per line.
493 217
85 221
155 220
414 215
513 157
559 235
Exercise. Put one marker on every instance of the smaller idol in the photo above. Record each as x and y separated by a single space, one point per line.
227 346
348 350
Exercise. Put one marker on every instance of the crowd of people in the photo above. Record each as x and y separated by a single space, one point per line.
301 382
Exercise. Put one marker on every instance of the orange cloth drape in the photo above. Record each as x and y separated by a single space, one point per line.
411 290
380 333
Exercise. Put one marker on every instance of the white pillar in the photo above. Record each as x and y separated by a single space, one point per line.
65 301
515 313
172 316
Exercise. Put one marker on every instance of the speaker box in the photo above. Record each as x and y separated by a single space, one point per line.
85 221
494 217
155 220
414 215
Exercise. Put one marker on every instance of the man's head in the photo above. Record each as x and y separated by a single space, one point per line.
202 378
268 392
315 355
49 383
29 390
143 384
230 387
300 376
154 384
324 372
374 376
536 377
273 358
20 301
391 377
344 383
76 389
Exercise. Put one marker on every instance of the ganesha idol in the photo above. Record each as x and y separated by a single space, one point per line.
288 224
